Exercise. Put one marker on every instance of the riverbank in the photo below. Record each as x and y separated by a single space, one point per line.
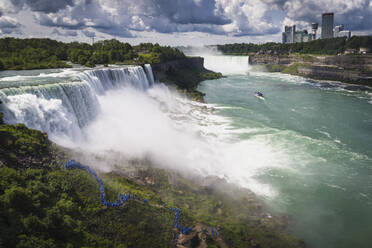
353 69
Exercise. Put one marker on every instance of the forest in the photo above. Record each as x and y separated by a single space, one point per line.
321 46
27 54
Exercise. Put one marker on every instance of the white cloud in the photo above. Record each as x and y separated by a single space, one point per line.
230 18
9 25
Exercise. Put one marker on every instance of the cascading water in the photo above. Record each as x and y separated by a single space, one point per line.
62 109
306 148
227 65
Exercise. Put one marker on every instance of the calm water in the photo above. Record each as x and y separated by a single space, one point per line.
325 184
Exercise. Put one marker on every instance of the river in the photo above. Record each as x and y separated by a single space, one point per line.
322 132
305 149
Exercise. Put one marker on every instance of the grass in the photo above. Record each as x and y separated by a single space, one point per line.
293 68
274 68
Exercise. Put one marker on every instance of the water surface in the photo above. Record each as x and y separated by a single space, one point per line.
325 181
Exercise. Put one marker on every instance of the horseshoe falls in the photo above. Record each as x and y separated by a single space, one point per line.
304 149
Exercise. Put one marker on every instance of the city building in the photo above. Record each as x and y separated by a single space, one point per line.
303 36
314 27
364 50
288 36
327 25
340 32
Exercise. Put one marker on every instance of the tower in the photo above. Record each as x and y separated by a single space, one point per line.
327 25
314 27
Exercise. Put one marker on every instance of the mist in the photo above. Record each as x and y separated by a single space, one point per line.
214 60
170 131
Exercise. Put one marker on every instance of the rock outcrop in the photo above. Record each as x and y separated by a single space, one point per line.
186 73
345 68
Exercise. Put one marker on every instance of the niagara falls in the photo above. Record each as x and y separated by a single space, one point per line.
185 124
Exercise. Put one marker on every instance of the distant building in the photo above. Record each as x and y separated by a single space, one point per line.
364 50
339 28
303 36
350 51
288 36
314 27
340 32
327 25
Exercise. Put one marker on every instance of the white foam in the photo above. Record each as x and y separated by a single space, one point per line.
227 65
61 74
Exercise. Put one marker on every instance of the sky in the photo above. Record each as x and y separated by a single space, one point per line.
175 22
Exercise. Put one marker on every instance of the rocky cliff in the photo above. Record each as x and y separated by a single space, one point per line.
345 68
185 73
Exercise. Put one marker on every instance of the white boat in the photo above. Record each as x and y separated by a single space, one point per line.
259 95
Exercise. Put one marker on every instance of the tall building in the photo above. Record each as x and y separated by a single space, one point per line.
288 36
327 25
314 27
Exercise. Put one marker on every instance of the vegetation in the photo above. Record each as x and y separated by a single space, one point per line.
321 46
24 54
211 75
293 68
45 205
274 68
185 76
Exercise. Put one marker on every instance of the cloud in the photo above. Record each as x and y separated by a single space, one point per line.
46 6
354 14
89 34
120 17
233 18
9 25
66 33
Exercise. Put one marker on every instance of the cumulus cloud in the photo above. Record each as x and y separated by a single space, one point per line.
47 6
89 34
123 18
120 17
354 14
70 33
9 25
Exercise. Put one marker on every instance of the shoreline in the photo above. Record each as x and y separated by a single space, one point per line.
353 70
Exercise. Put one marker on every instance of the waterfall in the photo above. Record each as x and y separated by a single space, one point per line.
227 64
64 108
149 74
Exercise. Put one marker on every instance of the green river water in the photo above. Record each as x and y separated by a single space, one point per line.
325 182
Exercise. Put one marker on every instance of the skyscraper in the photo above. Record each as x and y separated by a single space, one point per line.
327 25
288 35
314 27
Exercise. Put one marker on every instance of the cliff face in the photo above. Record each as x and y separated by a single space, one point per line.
344 68
271 60
185 73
